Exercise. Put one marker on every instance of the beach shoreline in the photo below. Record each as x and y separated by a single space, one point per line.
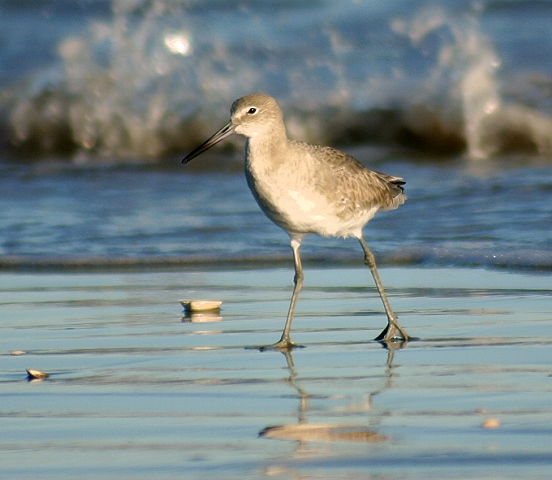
137 387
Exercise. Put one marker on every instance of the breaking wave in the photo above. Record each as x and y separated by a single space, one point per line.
156 77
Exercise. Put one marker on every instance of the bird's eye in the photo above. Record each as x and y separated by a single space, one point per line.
252 111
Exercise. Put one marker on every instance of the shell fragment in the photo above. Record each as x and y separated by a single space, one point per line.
200 305
35 374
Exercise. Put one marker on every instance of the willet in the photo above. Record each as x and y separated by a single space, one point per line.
308 189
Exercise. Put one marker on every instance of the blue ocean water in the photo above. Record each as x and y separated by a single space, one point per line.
127 79
134 217
99 101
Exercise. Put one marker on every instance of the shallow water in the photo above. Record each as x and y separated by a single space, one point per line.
138 389
457 213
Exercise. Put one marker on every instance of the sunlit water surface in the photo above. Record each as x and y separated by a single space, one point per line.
139 389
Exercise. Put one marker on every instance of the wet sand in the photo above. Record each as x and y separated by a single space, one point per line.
139 389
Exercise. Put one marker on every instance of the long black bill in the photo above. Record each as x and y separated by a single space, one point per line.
223 133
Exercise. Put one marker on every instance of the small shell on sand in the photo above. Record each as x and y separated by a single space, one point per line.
35 374
200 305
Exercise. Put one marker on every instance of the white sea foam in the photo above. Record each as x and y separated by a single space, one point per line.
155 77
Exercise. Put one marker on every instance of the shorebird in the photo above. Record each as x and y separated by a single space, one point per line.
307 189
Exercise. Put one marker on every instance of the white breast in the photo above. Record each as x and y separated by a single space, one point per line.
288 197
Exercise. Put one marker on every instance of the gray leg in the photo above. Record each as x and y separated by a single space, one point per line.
393 331
286 342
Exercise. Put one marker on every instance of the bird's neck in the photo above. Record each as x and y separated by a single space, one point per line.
267 151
